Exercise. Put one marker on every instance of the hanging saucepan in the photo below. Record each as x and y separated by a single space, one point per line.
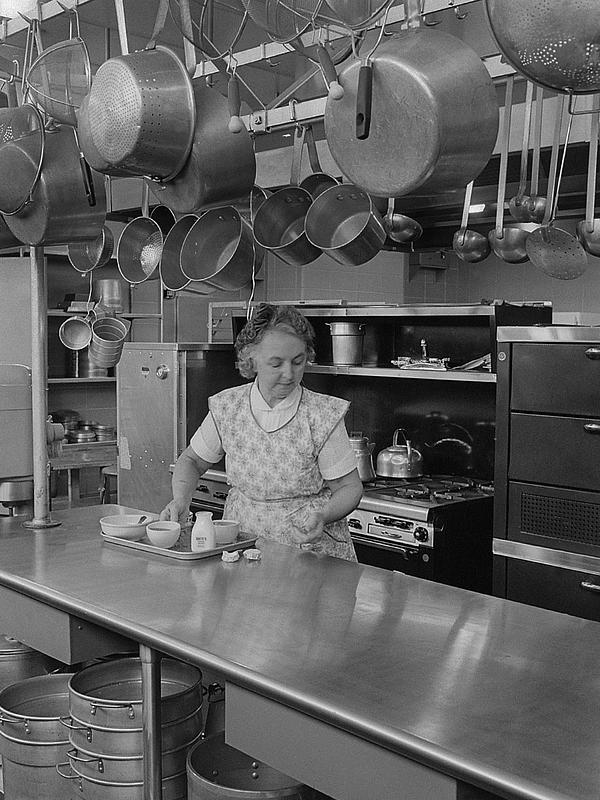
344 224
139 250
22 143
219 250
279 222
317 181
171 273
142 110
164 217
221 165
60 210
434 115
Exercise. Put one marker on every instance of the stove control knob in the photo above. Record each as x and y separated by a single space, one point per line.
421 534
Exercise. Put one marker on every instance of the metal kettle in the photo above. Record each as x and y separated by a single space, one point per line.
363 450
401 460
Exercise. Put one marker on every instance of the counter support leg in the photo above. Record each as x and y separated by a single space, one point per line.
151 723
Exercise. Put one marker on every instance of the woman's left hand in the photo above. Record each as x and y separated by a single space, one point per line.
309 529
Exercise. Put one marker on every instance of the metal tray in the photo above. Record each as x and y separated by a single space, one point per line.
181 548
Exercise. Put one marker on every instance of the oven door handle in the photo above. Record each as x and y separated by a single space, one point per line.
407 552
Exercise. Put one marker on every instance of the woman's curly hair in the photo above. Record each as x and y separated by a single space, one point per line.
268 317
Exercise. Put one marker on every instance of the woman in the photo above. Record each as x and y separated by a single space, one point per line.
287 453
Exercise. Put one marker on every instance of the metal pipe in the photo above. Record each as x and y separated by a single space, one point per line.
39 396
151 723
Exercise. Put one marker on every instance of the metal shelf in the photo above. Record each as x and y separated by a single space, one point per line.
419 374
81 380
55 312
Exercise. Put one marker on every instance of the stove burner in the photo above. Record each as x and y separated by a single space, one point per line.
430 488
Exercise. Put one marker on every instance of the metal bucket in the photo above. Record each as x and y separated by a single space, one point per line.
347 343
18 661
173 788
32 740
108 337
216 771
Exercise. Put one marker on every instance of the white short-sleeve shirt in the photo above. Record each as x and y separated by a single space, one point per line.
335 460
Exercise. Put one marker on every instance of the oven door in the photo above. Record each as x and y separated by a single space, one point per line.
410 559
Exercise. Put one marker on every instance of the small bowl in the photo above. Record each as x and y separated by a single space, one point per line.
226 531
163 533
127 526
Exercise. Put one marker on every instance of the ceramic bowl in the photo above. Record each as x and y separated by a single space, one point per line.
127 526
226 531
163 533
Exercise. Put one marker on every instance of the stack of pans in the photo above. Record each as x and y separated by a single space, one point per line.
104 433
83 433
105 727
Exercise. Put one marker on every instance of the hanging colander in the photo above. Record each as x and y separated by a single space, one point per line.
60 78
553 43
22 143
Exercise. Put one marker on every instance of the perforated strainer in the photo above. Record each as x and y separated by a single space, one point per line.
86 256
139 250
60 78
551 42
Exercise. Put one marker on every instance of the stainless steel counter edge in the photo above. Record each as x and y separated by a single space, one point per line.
468 769
549 333
546 555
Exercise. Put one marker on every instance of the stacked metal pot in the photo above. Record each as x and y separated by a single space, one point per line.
105 758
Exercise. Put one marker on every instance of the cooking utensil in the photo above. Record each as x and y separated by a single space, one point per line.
86 256
75 333
142 110
399 227
363 450
219 250
400 460
22 144
548 42
170 269
139 250
588 230
164 217
507 241
537 203
469 245
60 210
221 165
518 205
344 223
557 253
317 181
354 14
282 20
279 223
417 142
347 342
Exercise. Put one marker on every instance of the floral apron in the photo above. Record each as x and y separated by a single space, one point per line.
274 475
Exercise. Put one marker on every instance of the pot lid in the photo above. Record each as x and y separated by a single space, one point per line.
10 645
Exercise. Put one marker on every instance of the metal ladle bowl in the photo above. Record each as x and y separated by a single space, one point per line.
399 227
510 247
589 236
470 245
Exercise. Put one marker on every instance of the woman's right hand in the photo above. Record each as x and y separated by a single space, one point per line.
175 511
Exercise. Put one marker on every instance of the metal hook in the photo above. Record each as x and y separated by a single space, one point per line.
72 12
292 107
430 24
265 58
458 15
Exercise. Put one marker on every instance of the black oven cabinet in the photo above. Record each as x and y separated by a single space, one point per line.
547 467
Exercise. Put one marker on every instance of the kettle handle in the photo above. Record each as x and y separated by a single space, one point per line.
397 432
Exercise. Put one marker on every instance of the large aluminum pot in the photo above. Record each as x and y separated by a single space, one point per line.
221 166
433 120
106 769
18 661
61 209
217 771
115 742
173 788
401 460
110 695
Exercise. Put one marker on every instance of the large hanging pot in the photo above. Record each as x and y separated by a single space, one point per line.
64 207
221 166
433 116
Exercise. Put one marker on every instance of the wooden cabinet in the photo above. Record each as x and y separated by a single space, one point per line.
547 492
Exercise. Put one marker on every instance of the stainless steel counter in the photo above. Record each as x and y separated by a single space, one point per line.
497 694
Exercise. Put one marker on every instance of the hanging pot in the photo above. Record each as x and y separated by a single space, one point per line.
221 165
170 270
433 117
61 209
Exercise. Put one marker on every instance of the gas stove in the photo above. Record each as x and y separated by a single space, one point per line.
434 526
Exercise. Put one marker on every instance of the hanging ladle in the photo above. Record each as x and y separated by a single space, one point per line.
507 242
518 205
399 227
469 245
557 253
588 230
537 202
